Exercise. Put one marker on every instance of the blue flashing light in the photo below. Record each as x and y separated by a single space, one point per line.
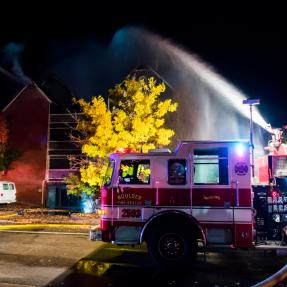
240 150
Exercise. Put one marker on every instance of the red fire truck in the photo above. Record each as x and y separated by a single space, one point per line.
202 192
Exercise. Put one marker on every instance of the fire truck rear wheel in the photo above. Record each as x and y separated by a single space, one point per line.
172 246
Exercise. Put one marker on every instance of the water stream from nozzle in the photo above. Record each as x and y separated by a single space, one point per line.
210 108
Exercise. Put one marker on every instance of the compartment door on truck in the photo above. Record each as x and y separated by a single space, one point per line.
212 196
241 193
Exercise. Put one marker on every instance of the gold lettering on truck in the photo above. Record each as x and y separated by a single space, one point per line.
129 198
211 197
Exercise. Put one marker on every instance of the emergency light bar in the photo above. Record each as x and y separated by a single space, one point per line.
159 150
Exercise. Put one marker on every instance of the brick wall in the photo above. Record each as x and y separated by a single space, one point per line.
27 116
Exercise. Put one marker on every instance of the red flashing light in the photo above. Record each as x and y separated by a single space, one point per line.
275 193
123 150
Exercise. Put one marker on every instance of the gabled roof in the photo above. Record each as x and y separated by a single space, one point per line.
143 70
53 90
32 85
10 86
60 95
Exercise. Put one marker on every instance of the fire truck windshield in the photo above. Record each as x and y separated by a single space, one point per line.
109 172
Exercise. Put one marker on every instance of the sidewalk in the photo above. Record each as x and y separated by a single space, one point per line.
23 217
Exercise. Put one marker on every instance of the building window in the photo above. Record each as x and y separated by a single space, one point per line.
211 166
134 172
59 162
280 166
60 134
177 171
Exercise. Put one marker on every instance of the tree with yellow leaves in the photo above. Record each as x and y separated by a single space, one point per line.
135 119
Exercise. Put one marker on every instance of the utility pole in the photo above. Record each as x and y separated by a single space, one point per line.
251 103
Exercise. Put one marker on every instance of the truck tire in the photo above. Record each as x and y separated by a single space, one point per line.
172 246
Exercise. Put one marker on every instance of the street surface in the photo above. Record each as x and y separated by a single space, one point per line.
126 266
72 260
36 259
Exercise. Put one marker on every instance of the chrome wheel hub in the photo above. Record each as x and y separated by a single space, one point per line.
171 246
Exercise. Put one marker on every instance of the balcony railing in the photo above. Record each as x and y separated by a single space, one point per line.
60 174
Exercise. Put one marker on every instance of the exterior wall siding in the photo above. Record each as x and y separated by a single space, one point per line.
27 117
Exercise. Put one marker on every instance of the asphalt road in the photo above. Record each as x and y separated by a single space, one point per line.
125 266
72 260
36 259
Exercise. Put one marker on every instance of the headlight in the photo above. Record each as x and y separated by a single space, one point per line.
101 212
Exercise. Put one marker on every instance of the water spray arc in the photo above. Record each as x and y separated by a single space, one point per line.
209 106
217 82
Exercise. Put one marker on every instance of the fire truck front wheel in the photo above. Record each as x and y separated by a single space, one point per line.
172 246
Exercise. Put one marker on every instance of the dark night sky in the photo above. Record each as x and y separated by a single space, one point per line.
246 45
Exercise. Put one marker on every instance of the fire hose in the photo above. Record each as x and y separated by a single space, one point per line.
274 279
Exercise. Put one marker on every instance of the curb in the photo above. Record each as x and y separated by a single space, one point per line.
45 232
15 285
31 226
8 215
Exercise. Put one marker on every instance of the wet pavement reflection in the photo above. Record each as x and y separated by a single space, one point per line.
127 266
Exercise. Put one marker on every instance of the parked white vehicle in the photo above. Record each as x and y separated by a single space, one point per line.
7 192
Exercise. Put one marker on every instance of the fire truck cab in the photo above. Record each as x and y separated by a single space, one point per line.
172 201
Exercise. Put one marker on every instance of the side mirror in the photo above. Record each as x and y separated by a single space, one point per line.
97 202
